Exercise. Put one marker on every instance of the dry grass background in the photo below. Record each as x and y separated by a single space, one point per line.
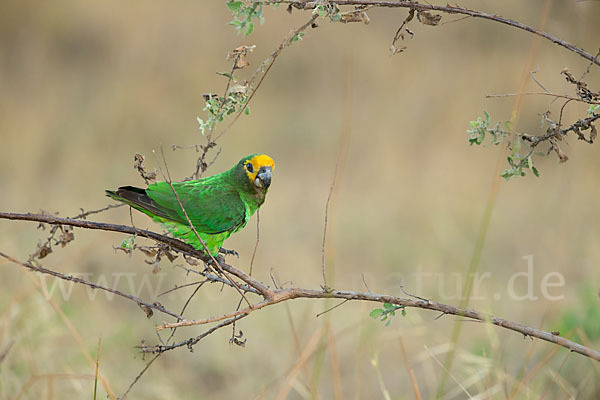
85 85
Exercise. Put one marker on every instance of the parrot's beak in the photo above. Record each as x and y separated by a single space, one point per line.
263 178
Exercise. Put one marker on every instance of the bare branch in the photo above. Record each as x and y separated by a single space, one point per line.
560 96
279 295
137 378
450 10
190 342
75 279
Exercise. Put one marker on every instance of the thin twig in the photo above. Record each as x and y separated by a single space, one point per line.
325 226
531 74
257 241
137 378
266 67
189 343
561 96
332 308
75 279
196 289
460 385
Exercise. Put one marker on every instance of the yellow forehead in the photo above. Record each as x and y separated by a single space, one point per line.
262 160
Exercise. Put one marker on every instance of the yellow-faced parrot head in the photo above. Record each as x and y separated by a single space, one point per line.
258 168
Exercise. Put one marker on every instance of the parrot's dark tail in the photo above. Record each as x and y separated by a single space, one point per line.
138 199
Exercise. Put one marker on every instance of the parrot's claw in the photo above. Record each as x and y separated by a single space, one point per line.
229 252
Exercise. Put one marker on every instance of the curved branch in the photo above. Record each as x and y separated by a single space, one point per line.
451 10
272 297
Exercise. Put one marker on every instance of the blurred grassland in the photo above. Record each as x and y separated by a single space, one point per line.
85 85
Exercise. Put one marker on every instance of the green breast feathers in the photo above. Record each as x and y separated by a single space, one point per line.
217 206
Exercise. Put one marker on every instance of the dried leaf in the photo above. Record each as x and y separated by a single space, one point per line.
236 89
427 18
561 156
66 236
147 310
240 54
593 133
138 164
43 251
191 261
355 16
168 253
396 49
582 90
148 251
208 96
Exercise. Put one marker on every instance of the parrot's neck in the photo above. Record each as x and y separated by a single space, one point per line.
253 200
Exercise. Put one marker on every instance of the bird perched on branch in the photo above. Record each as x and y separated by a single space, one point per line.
217 206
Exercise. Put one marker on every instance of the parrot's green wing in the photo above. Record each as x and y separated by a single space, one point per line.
212 208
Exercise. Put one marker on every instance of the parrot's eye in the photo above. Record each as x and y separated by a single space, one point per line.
249 168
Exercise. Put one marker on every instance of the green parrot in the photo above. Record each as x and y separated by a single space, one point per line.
218 205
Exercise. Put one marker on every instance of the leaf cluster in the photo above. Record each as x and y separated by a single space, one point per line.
387 313
517 162
244 14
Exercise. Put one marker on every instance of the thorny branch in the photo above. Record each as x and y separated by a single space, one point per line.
275 296
308 5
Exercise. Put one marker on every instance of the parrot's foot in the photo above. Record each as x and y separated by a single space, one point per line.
229 252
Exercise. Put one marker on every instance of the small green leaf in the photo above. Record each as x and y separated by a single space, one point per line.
234 6
593 109
535 171
249 29
298 37
247 111
128 243
529 162
376 313
507 174
404 311
516 145
389 306
487 118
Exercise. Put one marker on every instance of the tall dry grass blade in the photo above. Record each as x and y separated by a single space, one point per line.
75 334
409 369
97 367
491 202
523 383
375 364
460 385
305 370
555 379
309 349
335 364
